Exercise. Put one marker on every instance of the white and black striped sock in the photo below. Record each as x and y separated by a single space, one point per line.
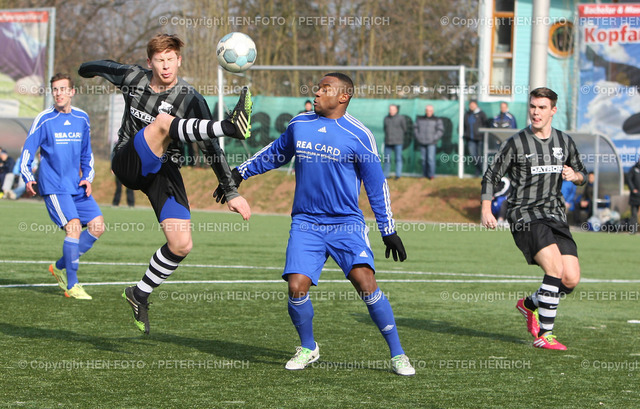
161 265
548 296
194 130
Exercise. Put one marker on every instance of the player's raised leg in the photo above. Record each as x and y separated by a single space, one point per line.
363 280
301 313
167 128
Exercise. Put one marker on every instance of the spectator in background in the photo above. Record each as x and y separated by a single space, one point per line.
131 200
6 170
585 204
633 180
474 119
504 119
568 191
499 202
308 107
395 126
428 131
9 180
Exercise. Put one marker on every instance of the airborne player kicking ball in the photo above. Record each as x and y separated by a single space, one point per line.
147 154
334 154
537 159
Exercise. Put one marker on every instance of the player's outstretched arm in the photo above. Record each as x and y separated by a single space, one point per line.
272 156
222 191
112 71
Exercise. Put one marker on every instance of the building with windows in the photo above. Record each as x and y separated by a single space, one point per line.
504 61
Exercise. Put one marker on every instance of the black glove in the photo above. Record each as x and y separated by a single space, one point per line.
218 194
395 247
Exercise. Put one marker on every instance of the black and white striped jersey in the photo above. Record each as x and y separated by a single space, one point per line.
142 105
534 167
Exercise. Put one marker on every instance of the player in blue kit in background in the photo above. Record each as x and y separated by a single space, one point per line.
63 134
334 154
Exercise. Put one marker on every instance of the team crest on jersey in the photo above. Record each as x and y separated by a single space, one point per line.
557 153
165 107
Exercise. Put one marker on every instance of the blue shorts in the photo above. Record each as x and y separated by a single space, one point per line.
310 245
65 207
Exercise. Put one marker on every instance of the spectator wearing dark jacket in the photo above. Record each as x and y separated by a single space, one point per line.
505 119
6 168
474 119
633 180
429 129
584 208
395 126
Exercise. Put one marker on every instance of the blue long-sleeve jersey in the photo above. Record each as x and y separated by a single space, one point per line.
65 147
333 157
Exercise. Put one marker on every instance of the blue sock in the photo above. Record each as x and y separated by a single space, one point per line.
382 314
86 242
60 263
301 313
71 254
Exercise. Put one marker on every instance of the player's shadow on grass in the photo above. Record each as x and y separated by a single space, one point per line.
232 351
65 336
41 289
444 327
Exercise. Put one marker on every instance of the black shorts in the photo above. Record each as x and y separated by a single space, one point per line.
536 235
164 183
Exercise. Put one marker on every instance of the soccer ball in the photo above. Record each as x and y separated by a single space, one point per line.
236 52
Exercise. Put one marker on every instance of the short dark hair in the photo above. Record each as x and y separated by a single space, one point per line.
308 102
346 81
544 92
164 42
61 76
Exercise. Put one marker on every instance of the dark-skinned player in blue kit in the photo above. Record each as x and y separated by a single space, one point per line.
334 155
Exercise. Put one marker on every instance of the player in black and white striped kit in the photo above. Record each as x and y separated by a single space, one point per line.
537 159
160 114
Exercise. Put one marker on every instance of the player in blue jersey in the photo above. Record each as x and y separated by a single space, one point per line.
63 135
334 154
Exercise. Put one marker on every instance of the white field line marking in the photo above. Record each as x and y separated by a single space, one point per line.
242 267
498 278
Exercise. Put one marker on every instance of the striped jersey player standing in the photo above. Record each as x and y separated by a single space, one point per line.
334 155
162 112
63 134
536 160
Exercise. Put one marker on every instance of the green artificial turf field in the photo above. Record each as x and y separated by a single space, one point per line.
220 332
